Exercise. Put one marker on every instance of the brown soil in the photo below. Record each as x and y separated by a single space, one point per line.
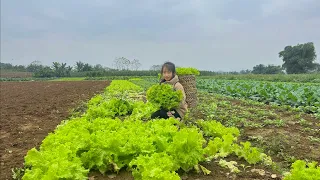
30 110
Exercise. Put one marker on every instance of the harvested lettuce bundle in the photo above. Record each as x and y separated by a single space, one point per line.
187 71
164 96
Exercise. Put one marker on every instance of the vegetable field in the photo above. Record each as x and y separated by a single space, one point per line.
113 135
239 130
303 96
30 110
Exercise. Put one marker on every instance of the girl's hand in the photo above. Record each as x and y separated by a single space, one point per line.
170 113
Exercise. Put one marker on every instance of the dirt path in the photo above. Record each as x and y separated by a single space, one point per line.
30 110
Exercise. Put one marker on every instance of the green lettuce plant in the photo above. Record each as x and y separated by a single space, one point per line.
164 96
187 71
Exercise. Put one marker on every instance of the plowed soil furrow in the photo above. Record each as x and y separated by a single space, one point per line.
31 110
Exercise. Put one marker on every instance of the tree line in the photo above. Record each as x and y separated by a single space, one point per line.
296 59
57 69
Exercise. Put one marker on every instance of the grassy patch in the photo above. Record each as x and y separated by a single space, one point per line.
70 79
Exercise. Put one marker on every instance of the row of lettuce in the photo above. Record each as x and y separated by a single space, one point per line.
116 132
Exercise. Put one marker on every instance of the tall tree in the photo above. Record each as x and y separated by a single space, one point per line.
272 69
63 69
34 66
5 65
68 71
87 67
317 69
57 68
20 67
259 69
45 71
79 66
60 70
98 67
247 71
299 59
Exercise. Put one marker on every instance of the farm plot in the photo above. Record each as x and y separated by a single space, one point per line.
30 110
305 97
111 136
158 146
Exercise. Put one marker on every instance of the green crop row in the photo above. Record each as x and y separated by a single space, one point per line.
304 96
299 78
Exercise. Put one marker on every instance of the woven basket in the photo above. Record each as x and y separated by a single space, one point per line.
189 84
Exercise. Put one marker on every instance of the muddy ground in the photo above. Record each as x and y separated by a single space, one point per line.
30 110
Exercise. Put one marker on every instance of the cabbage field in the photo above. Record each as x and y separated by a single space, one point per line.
303 96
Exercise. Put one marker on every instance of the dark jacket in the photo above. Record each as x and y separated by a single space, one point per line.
183 107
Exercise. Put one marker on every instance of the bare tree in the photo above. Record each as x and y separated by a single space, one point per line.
135 64
118 64
126 62
155 67
122 63
115 64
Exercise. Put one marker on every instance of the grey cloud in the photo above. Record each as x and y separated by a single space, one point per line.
212 35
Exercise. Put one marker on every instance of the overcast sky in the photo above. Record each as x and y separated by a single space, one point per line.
214 35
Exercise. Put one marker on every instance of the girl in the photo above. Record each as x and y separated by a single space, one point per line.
168 74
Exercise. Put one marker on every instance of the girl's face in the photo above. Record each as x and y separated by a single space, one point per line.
166 74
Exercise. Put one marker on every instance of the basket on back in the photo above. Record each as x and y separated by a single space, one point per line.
187 78
189 84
